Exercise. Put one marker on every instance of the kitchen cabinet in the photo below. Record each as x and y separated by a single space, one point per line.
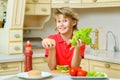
111 69
66 3
100 3
37 13
15 41
40 64
84 64
14 24
85 3
10 68
16 13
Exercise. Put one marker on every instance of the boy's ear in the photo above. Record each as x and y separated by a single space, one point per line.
74 22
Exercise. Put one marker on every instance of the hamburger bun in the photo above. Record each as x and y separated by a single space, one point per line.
34 73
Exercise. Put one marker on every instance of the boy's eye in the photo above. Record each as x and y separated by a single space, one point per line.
58 21
64 20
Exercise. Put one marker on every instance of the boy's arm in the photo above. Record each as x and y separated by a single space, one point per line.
52 59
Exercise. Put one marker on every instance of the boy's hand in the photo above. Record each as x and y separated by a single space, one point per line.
79 43
48 43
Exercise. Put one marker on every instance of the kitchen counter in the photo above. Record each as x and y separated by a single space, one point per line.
103 55
19 57
40 53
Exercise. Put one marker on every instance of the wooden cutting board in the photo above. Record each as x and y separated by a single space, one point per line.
58 72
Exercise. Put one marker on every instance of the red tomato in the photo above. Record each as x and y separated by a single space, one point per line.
79 68
73 71
81 73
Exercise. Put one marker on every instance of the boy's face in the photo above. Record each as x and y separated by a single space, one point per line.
64 24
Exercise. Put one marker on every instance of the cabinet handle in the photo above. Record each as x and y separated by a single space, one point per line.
17 48
94 0
35 0
27 9
44 9
66 1
17 35
45 60
3 66
107 65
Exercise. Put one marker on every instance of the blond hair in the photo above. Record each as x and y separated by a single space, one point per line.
68 12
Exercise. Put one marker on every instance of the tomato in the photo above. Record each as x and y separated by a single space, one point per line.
73 71
79 68
77 71
81 73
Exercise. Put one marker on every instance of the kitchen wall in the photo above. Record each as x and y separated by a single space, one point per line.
102 18
3 40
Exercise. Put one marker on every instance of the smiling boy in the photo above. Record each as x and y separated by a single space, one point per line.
58 46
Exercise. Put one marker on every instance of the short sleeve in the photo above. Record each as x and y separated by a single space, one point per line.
82 50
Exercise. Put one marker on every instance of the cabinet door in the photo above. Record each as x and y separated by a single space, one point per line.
10 68
30 9
40 64
37 1
16 35
112 70
15 48
66 1
15 14
100 3
42 9
92 1
84 64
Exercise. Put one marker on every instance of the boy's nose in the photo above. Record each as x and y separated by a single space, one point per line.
61 23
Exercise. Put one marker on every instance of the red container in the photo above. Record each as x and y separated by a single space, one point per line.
28 56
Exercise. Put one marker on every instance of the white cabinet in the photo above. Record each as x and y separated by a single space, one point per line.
100 3
112 70
40 64
85 3
15 13
15 48
37 13
10 68
14 23
15 45
66 3
37 9
84 64
16 35
38 1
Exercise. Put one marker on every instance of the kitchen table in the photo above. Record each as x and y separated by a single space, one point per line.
55 76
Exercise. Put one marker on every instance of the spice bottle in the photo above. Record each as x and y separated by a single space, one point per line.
28 56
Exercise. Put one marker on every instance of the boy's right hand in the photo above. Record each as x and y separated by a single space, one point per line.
48 43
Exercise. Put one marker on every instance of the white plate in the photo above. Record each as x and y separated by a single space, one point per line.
25 75
84 77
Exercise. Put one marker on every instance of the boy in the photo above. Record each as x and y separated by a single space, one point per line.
58 46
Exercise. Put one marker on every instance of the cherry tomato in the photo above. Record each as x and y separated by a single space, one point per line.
81 73
73 71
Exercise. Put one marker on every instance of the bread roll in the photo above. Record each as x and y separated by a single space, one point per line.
34 73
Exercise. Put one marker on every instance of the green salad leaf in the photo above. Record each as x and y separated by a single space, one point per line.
83 34
62 68
95 74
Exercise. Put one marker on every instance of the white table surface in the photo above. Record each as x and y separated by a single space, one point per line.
56 77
